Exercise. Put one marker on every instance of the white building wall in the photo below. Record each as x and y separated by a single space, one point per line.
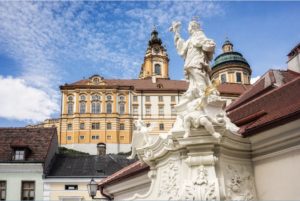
14 174
276 160
277 178
54 189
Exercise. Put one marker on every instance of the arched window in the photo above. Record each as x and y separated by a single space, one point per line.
95 97
96 108
157 69
121 104
223 78
108 108
82 107
70 104
121 108
108 97
82 98
122 98
96 105
238 77
70 108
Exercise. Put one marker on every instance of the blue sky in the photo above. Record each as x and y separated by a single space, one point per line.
46 44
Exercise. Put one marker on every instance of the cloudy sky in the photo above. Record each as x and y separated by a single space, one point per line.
46 44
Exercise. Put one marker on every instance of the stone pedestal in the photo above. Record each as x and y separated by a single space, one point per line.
199 167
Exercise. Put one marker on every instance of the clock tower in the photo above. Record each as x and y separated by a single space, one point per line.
156 60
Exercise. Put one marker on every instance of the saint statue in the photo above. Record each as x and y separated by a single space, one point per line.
197 52
201 104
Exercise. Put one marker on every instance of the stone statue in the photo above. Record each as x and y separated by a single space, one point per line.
197 52
201 104
140 136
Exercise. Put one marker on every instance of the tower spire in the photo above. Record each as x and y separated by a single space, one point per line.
156 61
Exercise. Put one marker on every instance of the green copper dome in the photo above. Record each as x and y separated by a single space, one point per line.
229 57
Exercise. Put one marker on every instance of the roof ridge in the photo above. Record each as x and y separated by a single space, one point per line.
120 172
235 104
266 94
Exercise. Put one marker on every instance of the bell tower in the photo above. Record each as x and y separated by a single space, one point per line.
156 60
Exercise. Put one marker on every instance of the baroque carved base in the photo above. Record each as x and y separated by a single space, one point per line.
199 167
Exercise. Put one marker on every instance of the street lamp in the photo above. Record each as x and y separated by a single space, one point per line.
92 188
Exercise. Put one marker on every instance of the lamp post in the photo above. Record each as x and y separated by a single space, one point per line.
92 188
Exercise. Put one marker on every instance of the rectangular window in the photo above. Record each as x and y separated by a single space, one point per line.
147 98
135 99
173 111
108 137
81 137
161 110
122 127
238 77
71 187
95 137
135 110
95 126
81 126
108 126
122 108
28 190
69 127
70 108
69 138
2 190
160 98
19 155
223 78
161 127
148 110
173 98
82 108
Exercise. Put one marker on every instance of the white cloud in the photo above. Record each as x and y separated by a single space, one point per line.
254 79
48 39
22 102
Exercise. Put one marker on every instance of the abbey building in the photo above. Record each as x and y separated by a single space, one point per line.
99 110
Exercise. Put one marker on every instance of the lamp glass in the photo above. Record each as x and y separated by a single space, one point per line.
92 188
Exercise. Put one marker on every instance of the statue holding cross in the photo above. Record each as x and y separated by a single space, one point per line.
201 104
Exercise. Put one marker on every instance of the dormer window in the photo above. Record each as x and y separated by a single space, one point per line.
20 153
96 79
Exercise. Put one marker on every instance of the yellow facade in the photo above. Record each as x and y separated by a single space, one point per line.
92 126
88 127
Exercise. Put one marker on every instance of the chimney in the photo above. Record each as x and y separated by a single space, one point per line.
101 149
294 59
154 79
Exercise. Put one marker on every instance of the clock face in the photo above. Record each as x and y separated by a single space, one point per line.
156 50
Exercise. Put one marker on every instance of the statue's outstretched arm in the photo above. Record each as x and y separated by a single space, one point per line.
181 45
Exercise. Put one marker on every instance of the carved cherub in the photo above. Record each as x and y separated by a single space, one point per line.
197 117
140 136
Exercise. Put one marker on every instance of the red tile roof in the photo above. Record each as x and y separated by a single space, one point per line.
233 88
272 101
37 140
160 85
131 170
